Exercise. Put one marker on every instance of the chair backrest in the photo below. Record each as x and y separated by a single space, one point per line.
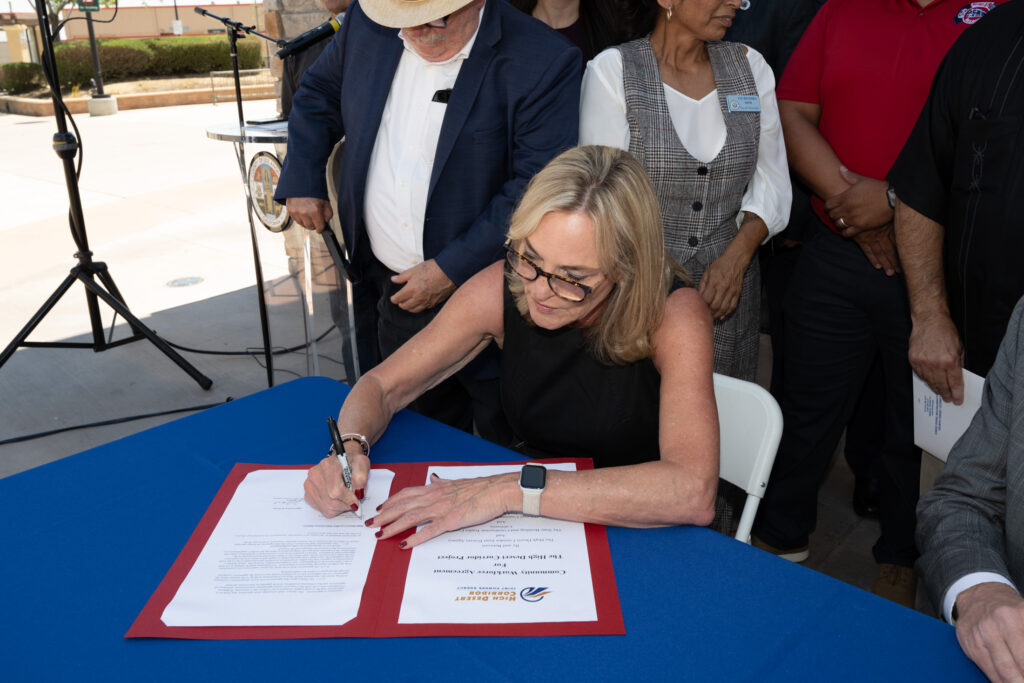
750 425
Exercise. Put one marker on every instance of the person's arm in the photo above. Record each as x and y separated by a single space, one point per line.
769 194
814 160
461 330
315 125
546 123
860 201
764 209
679 488
990 629
922 179
603 102
936 352
961 521
810 155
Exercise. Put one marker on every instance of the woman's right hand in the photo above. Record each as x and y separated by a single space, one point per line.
325 487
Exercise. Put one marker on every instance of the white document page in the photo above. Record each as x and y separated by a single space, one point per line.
939 425
513 569
272 560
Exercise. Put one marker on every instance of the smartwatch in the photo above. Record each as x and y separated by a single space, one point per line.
532 480
890 196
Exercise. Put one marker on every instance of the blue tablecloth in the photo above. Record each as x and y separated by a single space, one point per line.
88 538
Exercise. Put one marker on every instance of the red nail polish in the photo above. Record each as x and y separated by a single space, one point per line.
402 544
379 507
379 533
369 522
360 494
354 507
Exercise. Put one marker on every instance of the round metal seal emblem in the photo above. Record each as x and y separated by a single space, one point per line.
264 172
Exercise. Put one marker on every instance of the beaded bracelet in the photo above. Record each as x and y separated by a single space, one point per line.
352 436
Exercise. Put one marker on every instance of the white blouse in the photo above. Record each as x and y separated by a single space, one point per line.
700 127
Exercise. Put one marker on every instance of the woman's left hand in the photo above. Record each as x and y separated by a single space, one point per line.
722 283
444 505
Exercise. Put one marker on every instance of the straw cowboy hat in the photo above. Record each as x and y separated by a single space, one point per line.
406 13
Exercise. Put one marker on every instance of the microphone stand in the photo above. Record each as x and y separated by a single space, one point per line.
87 271
234 31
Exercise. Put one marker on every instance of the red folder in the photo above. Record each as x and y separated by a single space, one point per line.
382 594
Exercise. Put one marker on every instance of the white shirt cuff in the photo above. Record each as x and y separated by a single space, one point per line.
965 582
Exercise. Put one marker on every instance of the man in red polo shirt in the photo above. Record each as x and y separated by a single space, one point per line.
848 99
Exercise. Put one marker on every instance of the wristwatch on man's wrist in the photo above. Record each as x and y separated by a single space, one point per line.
890 196
532 480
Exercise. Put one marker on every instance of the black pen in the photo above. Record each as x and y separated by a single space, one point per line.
339 450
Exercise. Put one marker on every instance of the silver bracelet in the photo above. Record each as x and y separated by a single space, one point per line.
352 436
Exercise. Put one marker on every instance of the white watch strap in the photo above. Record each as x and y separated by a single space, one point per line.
531 501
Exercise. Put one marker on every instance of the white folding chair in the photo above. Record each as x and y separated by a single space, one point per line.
750 425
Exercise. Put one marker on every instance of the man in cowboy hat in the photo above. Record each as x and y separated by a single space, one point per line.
445 121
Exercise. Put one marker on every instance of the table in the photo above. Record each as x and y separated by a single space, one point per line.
266 133
87 539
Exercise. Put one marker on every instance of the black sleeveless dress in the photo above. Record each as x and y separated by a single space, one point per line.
562 402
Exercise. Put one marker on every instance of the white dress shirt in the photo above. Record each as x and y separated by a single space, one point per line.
700 127
969 581
403 157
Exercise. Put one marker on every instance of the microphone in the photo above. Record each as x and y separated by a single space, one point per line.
311 37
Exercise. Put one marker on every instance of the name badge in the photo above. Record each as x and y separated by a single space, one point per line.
743 103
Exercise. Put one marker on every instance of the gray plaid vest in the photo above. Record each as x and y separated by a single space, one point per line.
699 201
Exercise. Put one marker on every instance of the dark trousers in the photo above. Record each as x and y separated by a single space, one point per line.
471 398
865 432
840 314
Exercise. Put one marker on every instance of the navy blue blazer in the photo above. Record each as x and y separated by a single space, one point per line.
514 106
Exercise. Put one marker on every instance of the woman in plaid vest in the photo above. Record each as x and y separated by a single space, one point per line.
701 116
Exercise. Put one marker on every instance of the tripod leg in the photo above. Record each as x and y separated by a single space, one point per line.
61 290
108 281
93 306
111 301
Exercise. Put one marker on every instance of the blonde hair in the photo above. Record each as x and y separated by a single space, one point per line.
612 189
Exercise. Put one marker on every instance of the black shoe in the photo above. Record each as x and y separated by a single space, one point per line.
866 500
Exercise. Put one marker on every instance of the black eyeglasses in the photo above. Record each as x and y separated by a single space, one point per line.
563 287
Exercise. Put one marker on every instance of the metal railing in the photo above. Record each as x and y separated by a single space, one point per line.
254 82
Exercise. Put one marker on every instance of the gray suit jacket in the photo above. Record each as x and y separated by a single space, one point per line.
973 520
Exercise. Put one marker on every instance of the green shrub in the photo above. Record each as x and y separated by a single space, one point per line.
123 62
174 58
250 54
20 77
74 65
128 58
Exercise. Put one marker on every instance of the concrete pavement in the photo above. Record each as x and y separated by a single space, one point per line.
163 205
